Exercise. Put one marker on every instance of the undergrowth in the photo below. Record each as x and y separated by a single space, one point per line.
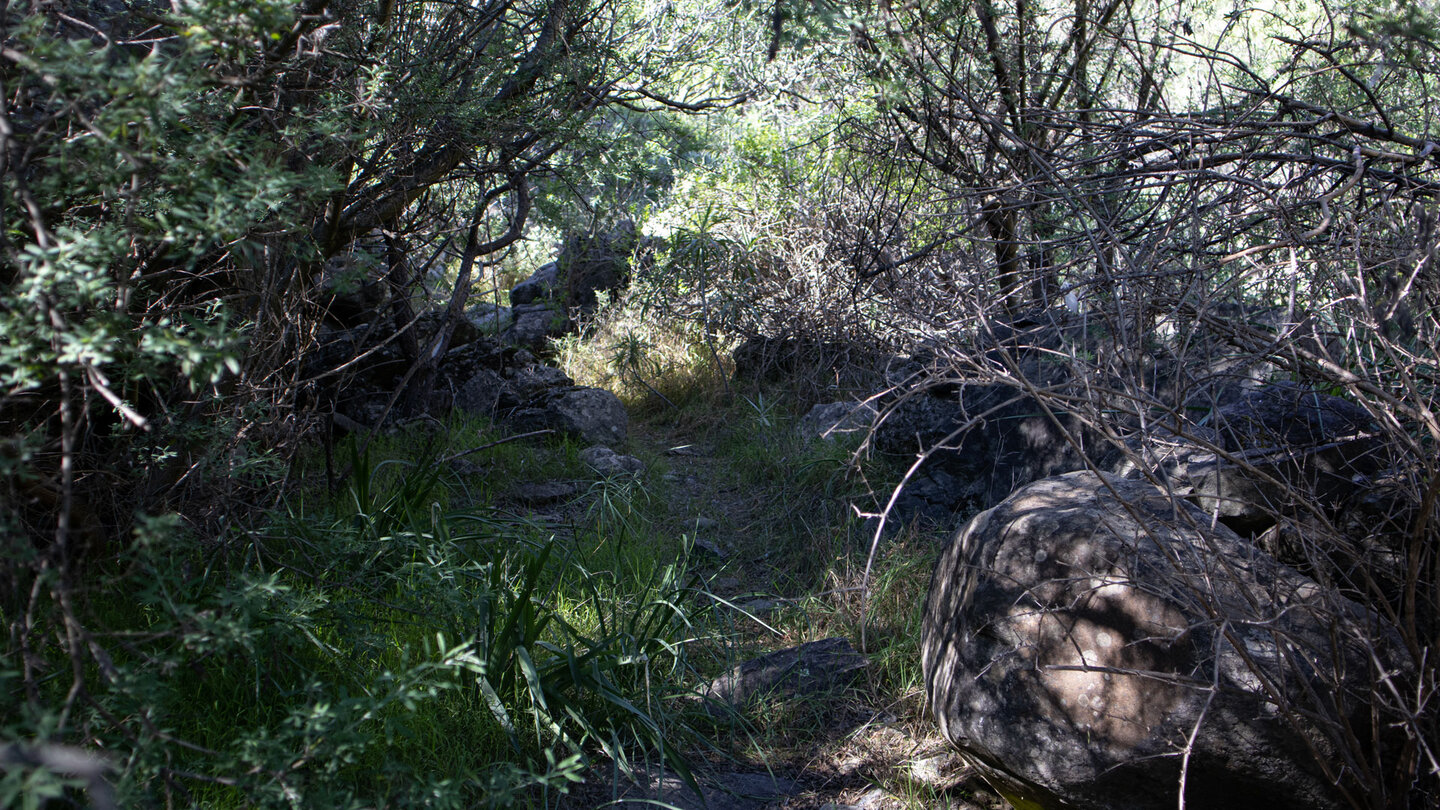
374 649
412 634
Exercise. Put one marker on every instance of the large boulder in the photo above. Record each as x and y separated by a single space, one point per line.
541 286
589 266
595 265
533 324
489 319
481 394
1091 639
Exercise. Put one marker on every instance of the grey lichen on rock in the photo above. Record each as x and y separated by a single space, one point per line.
611 464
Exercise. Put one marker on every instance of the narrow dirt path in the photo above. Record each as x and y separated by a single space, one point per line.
844 751
710 504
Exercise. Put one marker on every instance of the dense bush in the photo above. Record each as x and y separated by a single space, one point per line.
186 185
374 645
176 180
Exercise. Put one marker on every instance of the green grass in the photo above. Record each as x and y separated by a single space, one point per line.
415 637
374 643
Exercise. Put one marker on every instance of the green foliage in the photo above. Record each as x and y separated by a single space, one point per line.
382 647
133 173
174 180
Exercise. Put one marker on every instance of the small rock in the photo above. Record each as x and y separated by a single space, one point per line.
757 607
705 524
939 771
546 492
733 791
609 463
687 481
809 669
711 548
725 584
829 422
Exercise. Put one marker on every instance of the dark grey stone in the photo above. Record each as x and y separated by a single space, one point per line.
490 319
480 395
596 265
1076 635
711 547
775 358
591 415
546 492
730 791
540 286
529 383
1273 452
533 326
831 421
985 441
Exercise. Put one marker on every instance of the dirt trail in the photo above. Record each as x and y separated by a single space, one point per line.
710 504
841 752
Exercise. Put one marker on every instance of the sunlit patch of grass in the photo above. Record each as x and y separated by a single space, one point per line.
893 608
657 368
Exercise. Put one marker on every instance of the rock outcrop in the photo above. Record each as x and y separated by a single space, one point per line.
591 415
1268 451
589 268
985 441
480 377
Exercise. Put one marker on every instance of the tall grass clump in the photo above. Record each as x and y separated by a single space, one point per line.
375 649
